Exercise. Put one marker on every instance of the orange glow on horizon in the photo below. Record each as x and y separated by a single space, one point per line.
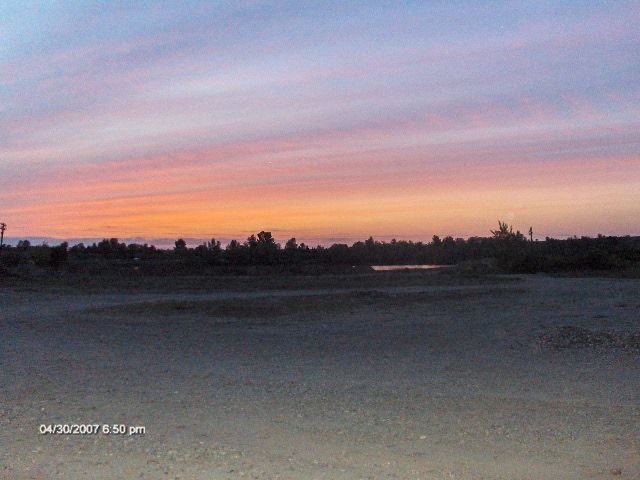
392 124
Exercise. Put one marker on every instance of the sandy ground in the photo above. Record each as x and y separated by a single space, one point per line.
413 382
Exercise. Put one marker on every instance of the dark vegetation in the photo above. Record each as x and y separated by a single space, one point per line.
504 251
268 307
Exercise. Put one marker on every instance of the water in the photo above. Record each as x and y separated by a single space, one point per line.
384 268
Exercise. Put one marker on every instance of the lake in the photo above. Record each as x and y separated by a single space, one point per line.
384 268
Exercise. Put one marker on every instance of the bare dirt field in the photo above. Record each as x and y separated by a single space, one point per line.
382 376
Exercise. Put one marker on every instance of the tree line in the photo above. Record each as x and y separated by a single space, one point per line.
511 251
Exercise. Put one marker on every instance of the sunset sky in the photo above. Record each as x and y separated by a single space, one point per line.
327 121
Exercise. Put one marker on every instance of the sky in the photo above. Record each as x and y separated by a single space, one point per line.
328 121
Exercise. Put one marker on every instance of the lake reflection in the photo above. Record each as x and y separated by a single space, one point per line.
382 268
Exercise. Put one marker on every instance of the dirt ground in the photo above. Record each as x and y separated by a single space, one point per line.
438 379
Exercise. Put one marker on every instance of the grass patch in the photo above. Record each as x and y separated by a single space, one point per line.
278 306
66 283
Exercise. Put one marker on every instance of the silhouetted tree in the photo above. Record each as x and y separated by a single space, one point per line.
510 252
210 251
180 246
79 248
58 255
505 232
291 245
263 248
24 245
236 253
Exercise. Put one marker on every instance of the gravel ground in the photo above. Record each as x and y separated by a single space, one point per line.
417 382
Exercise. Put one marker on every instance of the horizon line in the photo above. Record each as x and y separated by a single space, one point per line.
162 242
